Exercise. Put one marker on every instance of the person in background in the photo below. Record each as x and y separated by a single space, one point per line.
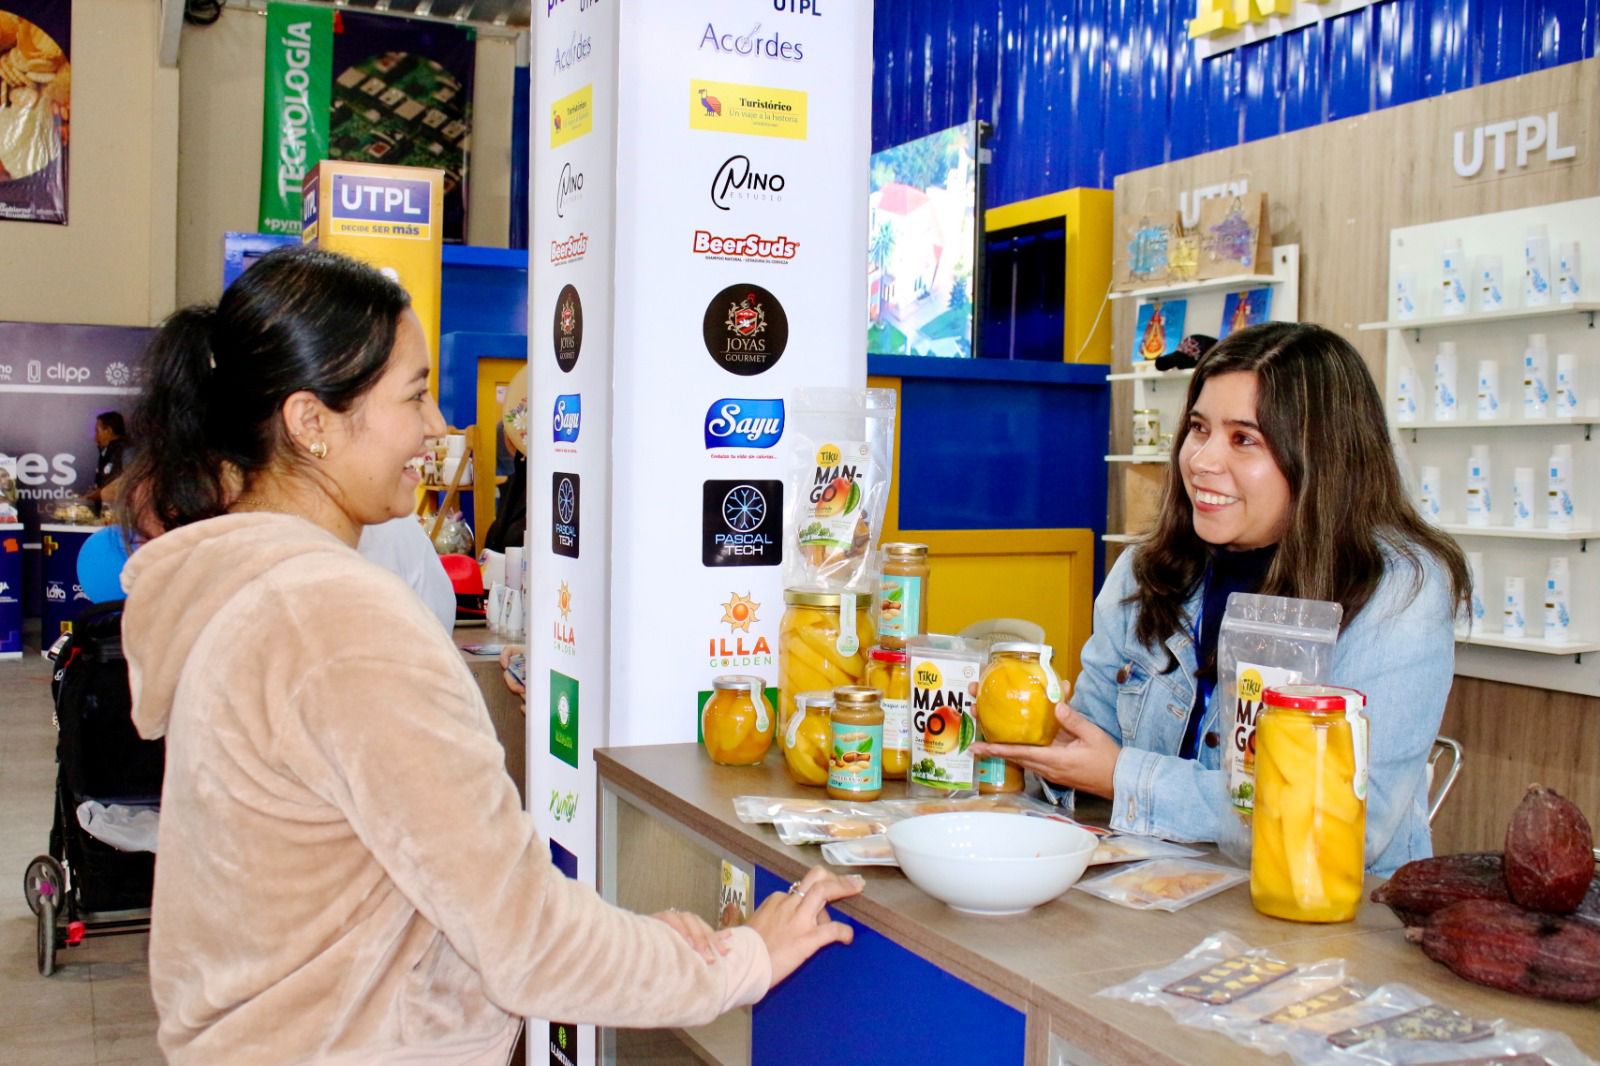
401 546
347 873
1282 482
111 440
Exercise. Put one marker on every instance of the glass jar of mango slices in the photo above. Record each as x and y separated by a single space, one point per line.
737 723
819 649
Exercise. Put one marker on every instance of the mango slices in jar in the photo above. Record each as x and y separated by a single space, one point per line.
807 739
736 725
810 657
1014 704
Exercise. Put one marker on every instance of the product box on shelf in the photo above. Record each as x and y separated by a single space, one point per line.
1142 485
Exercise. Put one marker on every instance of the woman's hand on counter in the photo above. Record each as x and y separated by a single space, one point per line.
708 942
506 675
795 924
1083 756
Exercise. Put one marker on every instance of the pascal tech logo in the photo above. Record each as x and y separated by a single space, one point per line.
742 523
565 512
745 329
567 418
737 181
740 423
752 43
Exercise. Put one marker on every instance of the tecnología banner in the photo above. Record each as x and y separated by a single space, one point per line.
364 88
35 109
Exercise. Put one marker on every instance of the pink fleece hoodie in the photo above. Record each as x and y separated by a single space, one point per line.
345 873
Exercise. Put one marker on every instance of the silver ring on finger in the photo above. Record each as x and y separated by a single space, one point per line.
796 890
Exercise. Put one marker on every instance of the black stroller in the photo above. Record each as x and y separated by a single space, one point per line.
85 886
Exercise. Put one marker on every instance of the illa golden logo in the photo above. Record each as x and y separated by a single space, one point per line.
564 601
739 612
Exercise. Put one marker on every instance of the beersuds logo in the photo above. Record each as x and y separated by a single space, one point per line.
570 250
751 248
745 329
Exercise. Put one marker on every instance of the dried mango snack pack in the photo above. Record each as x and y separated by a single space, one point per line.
842 449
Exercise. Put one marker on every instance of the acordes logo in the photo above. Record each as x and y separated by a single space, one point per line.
568 187
567 330
736 181
745 329
741 423
574 53
752 43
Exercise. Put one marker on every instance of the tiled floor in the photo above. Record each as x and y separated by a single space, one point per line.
96 1008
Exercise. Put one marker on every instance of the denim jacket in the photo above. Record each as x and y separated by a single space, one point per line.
1399 651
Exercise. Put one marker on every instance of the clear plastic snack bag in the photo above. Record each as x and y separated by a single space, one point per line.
1513 1047
1264 641
843 457
765 810
1220 970
1323 1037
1163 884
868 851
1117 847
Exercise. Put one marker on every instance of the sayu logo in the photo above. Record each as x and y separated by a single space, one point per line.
566 420
574 53
750 44
568 187
738 423
737 181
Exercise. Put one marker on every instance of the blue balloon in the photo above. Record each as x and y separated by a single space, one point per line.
100 563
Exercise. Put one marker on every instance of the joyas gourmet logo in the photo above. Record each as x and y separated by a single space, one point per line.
746 329
567 331
739 647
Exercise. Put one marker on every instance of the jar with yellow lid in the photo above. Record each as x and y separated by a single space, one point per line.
819 649
1018 693
889 671
806 739
737 724
903 594
1309 824
855 756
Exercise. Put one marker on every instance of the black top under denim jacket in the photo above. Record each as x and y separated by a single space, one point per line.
1226 573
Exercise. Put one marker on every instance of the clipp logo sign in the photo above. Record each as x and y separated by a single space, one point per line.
742 423
566 420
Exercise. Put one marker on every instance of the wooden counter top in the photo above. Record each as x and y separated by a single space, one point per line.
1051 961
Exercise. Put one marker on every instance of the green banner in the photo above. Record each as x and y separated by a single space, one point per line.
295 117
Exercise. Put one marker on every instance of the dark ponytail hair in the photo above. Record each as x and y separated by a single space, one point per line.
300 319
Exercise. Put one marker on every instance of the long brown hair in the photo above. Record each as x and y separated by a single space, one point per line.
1323 422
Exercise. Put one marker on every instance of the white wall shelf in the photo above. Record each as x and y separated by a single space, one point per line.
1473 318
1136 458
1154 377
1120 538
1189 288
1499 338
1576 649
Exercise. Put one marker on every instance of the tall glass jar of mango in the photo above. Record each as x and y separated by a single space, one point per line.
889 671
807 739
1310 819
737 724
816 652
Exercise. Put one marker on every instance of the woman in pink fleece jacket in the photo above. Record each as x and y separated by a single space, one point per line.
346 873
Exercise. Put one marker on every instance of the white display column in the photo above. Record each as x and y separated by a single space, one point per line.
699 203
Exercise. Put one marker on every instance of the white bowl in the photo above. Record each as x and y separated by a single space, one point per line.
991 863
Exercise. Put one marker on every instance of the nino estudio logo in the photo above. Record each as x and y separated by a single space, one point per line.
567 329
745 329
564 514
569 189
737 181
742 523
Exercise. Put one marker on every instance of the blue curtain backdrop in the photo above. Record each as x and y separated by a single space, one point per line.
1080 91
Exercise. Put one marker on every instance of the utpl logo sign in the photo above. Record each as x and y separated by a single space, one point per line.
551 5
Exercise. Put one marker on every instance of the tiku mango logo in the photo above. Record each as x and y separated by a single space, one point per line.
927 675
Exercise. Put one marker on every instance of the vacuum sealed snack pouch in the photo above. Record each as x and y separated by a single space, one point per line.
944 707
1163 884
843 455
1120 848
868 851
1220 969
765 810
1513 1047
1264 642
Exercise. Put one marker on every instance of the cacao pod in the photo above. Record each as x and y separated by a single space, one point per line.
1515 950
1549 852
1423 886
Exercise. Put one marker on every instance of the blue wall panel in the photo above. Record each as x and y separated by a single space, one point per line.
1080 91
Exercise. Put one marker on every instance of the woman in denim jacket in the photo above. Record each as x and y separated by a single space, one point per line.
1283 483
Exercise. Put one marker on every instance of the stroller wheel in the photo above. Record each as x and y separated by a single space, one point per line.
47 936
44 880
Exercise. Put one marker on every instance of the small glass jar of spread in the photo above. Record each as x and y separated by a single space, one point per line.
889 671
1146 431
903 594
806 739
855 756
819 649
736 724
